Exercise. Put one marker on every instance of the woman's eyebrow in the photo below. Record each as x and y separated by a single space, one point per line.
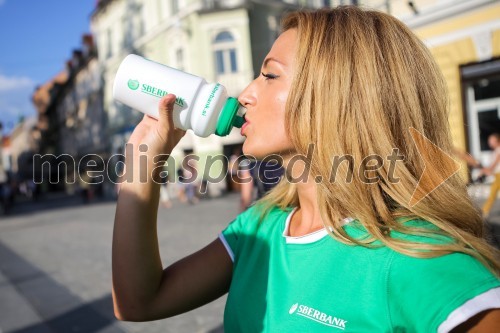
267 60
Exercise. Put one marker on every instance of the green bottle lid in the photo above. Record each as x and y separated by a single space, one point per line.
228 117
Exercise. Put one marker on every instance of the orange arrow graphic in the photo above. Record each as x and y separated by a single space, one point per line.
438 167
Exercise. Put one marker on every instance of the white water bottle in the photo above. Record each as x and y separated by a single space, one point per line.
202 107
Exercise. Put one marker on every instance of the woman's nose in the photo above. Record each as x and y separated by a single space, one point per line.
247 96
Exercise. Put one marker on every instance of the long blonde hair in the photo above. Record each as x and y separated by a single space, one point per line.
365 79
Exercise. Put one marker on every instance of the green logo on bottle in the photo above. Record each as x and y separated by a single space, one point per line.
133 84
159 93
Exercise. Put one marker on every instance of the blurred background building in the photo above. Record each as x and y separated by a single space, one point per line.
4 161
222 41
22 146
225 41
464 38
71 118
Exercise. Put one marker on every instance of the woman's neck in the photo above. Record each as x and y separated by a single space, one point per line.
306 218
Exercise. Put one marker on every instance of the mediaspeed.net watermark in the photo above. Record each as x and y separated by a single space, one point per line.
92 168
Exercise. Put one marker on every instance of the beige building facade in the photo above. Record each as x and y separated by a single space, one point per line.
464 38
222 41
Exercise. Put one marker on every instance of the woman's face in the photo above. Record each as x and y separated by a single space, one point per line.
265 100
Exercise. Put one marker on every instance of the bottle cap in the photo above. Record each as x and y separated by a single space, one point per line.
229 118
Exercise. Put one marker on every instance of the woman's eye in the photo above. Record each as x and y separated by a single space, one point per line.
270 76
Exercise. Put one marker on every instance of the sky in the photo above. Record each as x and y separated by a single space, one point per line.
37 37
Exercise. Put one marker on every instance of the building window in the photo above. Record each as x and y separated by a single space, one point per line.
232 56
481 88
159 10
109 37
219 59
175 6
225 53
274 28
179 58
128 28
140 21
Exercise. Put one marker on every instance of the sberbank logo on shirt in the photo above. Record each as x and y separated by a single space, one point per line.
317 316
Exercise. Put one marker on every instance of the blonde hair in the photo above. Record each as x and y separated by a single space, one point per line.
365 79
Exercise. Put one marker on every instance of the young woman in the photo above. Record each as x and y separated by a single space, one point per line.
320 255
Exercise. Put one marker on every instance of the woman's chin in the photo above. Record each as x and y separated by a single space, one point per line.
249 150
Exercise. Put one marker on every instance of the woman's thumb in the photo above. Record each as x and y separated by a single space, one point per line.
166 110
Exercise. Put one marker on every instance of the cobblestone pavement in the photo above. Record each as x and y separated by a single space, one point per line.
55 264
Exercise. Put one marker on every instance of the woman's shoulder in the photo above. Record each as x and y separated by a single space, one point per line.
421 231
429 289
453 266
256 220
268 211
425 266
258 215
453 270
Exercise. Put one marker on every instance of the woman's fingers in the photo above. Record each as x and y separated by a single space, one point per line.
167 115
166 128
165 112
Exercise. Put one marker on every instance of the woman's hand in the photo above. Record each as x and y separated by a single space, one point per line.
154 139
142 289
160 136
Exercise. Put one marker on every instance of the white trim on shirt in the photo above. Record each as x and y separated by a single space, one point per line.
226 245
309 238
487 300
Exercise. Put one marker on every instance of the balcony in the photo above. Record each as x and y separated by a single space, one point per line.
209 5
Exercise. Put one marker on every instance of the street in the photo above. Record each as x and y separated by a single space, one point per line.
55 265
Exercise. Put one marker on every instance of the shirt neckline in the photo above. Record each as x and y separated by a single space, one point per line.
308 238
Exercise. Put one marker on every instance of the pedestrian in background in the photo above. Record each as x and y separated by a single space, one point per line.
247 187
181 186
188 182
257 179
164 196
86 186
492 169
266 175
233 164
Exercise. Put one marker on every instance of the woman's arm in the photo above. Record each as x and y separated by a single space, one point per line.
489 170
466 157
484 322
142 290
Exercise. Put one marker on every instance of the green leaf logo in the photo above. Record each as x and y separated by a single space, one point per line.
133 84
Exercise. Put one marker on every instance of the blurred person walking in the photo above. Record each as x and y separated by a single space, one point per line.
234 182
164 196
493 169
187 183
257 178
246 181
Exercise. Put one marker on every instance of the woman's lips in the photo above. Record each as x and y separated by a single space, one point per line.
243 127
